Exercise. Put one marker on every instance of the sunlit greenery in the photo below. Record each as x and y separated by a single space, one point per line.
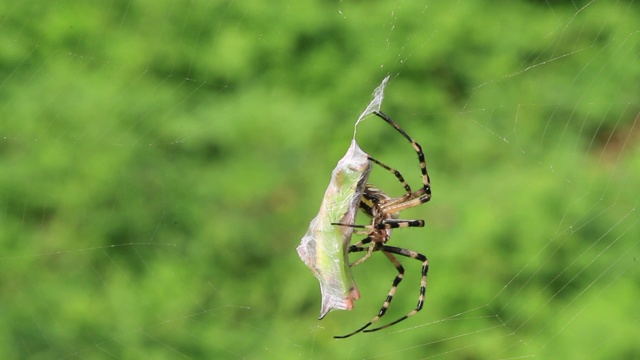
162 159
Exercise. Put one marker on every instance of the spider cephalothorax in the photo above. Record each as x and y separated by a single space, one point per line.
384 211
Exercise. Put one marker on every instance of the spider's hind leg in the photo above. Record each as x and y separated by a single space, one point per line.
388 250
387 301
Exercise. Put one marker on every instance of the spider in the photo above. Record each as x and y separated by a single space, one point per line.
384 211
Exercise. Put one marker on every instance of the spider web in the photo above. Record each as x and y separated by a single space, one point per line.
161 161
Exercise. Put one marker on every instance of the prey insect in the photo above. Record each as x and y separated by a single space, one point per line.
324 248
384 212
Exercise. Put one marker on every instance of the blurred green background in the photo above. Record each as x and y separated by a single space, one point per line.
162 159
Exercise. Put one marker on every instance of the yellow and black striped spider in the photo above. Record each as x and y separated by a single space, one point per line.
384 211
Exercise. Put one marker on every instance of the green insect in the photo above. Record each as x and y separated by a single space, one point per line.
324 248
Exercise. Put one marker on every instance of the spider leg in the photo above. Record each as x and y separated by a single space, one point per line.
397 206
387 250
358 247
387 301
395 172
356 226
353 225
426 182
398 223
386 224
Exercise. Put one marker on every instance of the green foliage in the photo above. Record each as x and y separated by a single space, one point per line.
161 161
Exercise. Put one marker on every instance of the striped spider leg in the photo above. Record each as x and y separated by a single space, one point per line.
384 211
